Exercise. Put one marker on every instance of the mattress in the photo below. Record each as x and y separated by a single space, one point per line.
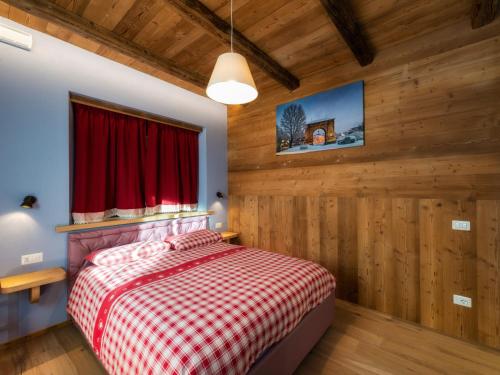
209 310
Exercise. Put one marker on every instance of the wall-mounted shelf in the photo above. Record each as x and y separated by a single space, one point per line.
228 236
32 281
118 221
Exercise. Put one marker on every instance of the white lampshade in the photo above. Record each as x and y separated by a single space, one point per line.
231 81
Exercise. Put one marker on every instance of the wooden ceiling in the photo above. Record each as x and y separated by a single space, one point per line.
298 35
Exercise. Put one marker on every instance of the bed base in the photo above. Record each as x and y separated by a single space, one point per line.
285 356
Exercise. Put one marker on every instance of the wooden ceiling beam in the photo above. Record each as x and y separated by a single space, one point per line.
80 6
342 16
483 12
56 14
198 14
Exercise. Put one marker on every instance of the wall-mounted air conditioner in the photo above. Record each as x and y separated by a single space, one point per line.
15 37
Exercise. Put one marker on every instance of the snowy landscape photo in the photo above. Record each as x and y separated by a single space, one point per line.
329 120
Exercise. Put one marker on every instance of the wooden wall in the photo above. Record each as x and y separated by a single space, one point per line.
396 255
379 216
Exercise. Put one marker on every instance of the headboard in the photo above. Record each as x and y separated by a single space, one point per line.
81 244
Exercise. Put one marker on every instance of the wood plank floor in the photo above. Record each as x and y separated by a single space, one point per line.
361 341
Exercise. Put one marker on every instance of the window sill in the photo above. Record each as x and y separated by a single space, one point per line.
119 221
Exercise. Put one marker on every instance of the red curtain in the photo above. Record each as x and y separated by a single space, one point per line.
128 167
171 182
110 149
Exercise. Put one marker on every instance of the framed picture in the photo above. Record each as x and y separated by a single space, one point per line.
329 120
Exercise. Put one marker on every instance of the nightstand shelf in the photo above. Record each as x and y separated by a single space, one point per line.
32 281
228 236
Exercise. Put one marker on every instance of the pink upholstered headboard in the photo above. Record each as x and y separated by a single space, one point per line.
81 244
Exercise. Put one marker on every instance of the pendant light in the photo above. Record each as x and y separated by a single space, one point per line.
231 81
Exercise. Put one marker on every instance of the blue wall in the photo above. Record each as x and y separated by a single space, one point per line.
34 155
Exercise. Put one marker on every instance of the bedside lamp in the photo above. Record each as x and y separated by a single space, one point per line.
28 201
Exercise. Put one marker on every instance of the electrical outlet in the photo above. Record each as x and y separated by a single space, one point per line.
460 225
218 225
31 258
462 301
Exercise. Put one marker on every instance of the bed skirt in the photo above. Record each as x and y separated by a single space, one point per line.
285 356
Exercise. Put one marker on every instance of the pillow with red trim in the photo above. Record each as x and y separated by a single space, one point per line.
127 253
194 239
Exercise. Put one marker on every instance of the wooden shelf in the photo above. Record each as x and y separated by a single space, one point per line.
227 236
31 281
118 221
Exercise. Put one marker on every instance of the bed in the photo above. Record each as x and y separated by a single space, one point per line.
212 309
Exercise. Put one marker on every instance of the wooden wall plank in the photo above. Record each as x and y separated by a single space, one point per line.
300 226
313 228
456 255
233 215
329 235
265 224
347 261
453 176
407 256
385 283
466 278
431 272
282 213
366 234
488 272
249 220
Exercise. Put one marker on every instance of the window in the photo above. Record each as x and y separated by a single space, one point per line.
128 166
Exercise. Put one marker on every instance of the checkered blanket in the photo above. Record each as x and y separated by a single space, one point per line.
208 310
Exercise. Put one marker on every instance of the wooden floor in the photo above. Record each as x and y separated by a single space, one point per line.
361 341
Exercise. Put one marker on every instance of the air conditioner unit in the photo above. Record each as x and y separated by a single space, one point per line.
15 37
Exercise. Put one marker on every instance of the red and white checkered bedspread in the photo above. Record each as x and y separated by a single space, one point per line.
208 310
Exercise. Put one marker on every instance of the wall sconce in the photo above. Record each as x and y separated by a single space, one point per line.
28 201
219 195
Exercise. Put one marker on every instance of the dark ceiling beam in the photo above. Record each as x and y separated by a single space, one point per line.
198 14
342 17
79 7
483 12
88 29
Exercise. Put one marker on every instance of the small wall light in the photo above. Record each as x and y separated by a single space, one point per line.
28 201
220 195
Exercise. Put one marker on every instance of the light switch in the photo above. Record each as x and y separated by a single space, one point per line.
31 258
462 301
460 225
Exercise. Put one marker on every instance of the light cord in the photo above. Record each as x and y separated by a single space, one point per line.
231 26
